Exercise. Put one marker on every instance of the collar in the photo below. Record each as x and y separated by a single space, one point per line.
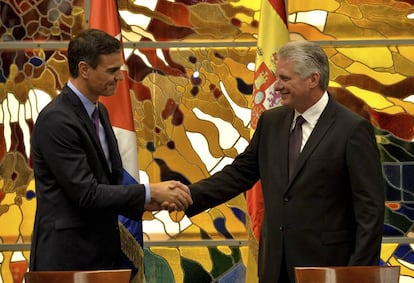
313 113
89 106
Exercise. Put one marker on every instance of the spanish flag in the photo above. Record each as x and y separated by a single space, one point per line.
273 33
104 16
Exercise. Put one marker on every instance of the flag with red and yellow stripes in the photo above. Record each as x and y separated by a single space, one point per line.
273 33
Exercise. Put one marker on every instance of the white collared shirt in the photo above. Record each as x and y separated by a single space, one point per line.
311 115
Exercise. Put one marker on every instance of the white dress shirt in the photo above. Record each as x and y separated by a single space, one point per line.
311 116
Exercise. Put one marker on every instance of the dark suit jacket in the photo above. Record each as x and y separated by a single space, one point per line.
331 213
78 196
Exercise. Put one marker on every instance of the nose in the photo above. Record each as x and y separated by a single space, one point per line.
119 76
278 85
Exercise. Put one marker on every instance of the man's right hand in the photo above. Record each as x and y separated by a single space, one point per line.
171 195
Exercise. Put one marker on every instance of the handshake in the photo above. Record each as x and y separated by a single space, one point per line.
170 195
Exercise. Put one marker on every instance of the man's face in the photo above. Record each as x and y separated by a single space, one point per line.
102 80
295 92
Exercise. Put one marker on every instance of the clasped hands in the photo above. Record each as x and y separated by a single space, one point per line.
170 195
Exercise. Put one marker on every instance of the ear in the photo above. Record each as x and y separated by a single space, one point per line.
83 69
314 79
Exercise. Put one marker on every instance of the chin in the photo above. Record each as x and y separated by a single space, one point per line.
285 102
110 93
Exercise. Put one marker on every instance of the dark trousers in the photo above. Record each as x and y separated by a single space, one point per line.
283 275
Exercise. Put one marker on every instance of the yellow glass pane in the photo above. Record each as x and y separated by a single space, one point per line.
328 5
365 55
386 78
373 99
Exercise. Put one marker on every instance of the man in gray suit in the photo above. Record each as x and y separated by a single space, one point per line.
78 169
328 207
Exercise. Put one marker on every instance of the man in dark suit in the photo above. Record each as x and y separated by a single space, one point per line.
78 168
330 210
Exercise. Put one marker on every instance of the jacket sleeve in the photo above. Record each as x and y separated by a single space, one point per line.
367 186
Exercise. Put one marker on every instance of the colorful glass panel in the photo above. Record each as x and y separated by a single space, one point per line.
191 68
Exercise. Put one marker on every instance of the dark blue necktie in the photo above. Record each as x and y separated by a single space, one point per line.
295 143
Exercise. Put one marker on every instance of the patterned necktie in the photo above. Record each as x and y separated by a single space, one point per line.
95 117
295 143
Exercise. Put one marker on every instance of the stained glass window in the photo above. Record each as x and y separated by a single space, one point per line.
191 68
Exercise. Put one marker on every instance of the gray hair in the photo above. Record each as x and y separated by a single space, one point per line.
308 58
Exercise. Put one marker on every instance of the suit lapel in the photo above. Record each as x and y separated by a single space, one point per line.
284 142
110 139
80 111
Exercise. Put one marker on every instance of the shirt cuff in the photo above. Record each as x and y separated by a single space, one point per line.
147 194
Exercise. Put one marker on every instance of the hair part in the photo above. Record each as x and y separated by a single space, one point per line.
309 58
87 46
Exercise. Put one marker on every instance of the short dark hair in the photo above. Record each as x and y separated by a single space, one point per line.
88 46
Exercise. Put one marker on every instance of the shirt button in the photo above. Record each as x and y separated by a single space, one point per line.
281 228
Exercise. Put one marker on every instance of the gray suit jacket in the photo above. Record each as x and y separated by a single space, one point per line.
78 196
331 213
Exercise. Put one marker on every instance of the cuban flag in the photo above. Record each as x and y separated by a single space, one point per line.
104 16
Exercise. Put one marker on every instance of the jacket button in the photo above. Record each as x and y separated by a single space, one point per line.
286 199
281 228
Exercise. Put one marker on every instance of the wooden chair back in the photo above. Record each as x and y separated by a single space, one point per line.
348 274
93 276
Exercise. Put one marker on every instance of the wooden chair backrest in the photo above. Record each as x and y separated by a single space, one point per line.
348 274
93 276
